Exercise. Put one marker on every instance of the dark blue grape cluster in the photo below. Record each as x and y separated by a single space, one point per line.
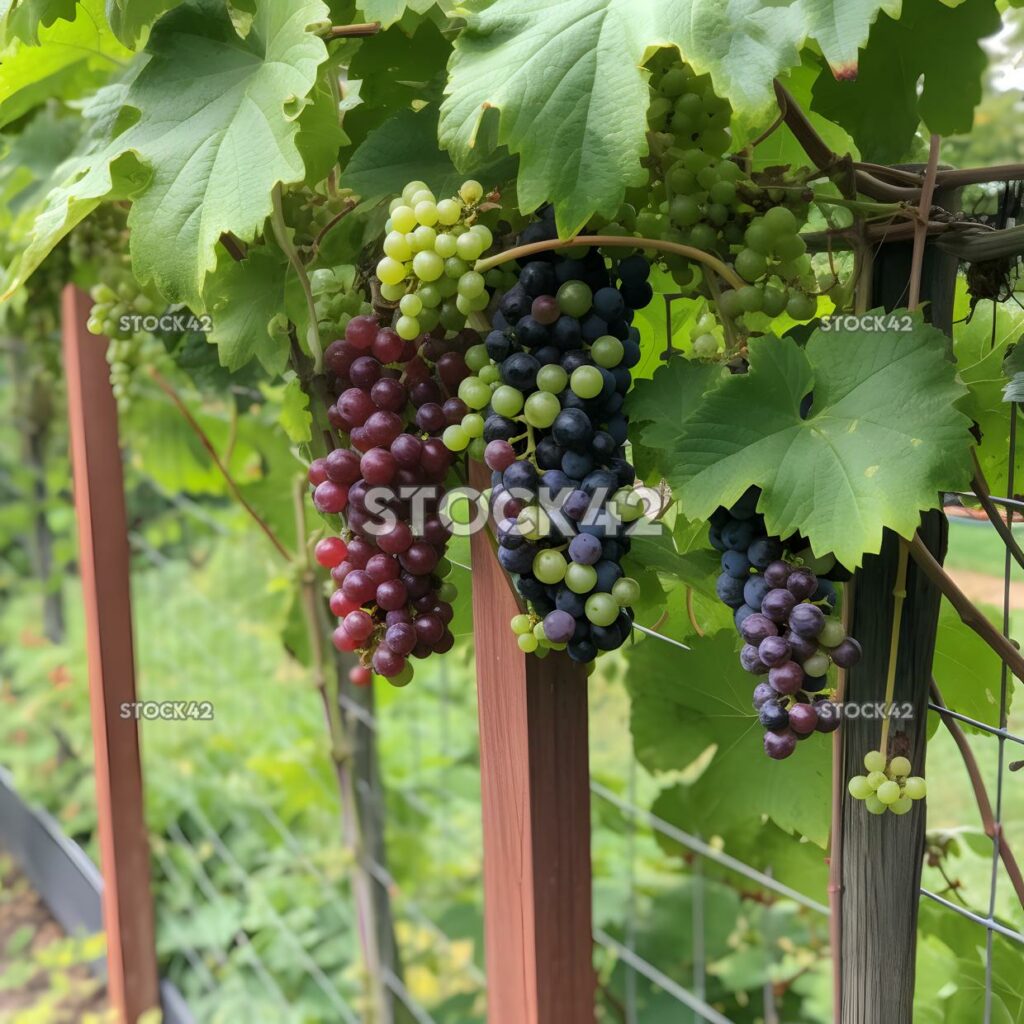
555 431
782 600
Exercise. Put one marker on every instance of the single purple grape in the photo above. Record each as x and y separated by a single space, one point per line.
777 604
847 654
741 614
807 620
773 650
751 662
762 694
829 715
803 719
777 572
779 745
756 627
801 583
754 590
559 626
786 678
773 716
803 648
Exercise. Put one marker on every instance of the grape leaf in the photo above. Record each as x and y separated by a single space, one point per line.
217 121
686 701
72 58
880 440
22 20
295 419
243 299
568 81
882 107
387 12
130 18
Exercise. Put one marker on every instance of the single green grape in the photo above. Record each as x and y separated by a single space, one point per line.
607 351
750 264
888 792
586 381
601 609
490 374
390 271
705 346
455 438
410 305
426 212
396 245
507 401
626 591
832 633
521 624
549 567
448 212
575 298
528 643
876 779
874 761
476 357
471 284
802 307
407 327
471 192
474 392
427 266
916 788
900 767
445 245
552 378
874 805
902 805
430 296
581 579
859 787
403 218
781 221
541 409
473 424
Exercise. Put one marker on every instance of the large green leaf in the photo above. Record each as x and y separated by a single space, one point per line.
72 58
881 439
129 19
568 81
881 108
22 20
687 701
217 123
387 12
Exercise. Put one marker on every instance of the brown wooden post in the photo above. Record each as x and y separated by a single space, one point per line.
535 778
104 558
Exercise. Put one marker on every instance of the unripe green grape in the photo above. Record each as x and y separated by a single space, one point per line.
476 357
426 212
575 298
397 246
428 319
423 195
858 787
916 788
464 305
507 401
581 579
673 83
586 381
888 792
750 264
94 325
626 591
658 111
403 218
705 346
751 299
455 268
628 505
480 302
528 643
538 632
411 304
495 278
471 192
723 192
473 424
832 633
900 766
874 761
781 221
759 237
802 307
729 302
549 567
601 609
430 296
681 181
448 212
483 232
790 247
393 292
469 246
452 318
427 266
773 300
876 779
703 236
455 438
716 142
411 189
471 284
817 664
395 203
685 211
607 351
874 805
707 177
425 238
390 271
717 214
407 328
103 293
490 374
521 624
474 392
534 523
541 409
445 245
552 378
901 806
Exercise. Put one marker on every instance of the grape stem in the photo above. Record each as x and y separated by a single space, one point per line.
899 593
921 224
280 229
1002 526
363 28
614 242
168 389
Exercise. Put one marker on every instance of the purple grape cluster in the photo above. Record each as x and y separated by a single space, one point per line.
783 610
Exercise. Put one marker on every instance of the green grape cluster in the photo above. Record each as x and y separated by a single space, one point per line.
888 785
97 240
699 197
336 300
429 252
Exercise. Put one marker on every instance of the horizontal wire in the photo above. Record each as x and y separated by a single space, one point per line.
1005 733
662 980
986 922
660 636
704 850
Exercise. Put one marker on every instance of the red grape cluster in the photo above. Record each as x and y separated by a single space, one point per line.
392 600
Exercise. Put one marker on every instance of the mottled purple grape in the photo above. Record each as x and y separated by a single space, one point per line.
847 654
751 662
779 745
786 678
773 650
803 719
801 583
806 620
756 627
777 572
777 604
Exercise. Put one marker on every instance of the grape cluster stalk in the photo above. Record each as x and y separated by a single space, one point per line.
782 601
